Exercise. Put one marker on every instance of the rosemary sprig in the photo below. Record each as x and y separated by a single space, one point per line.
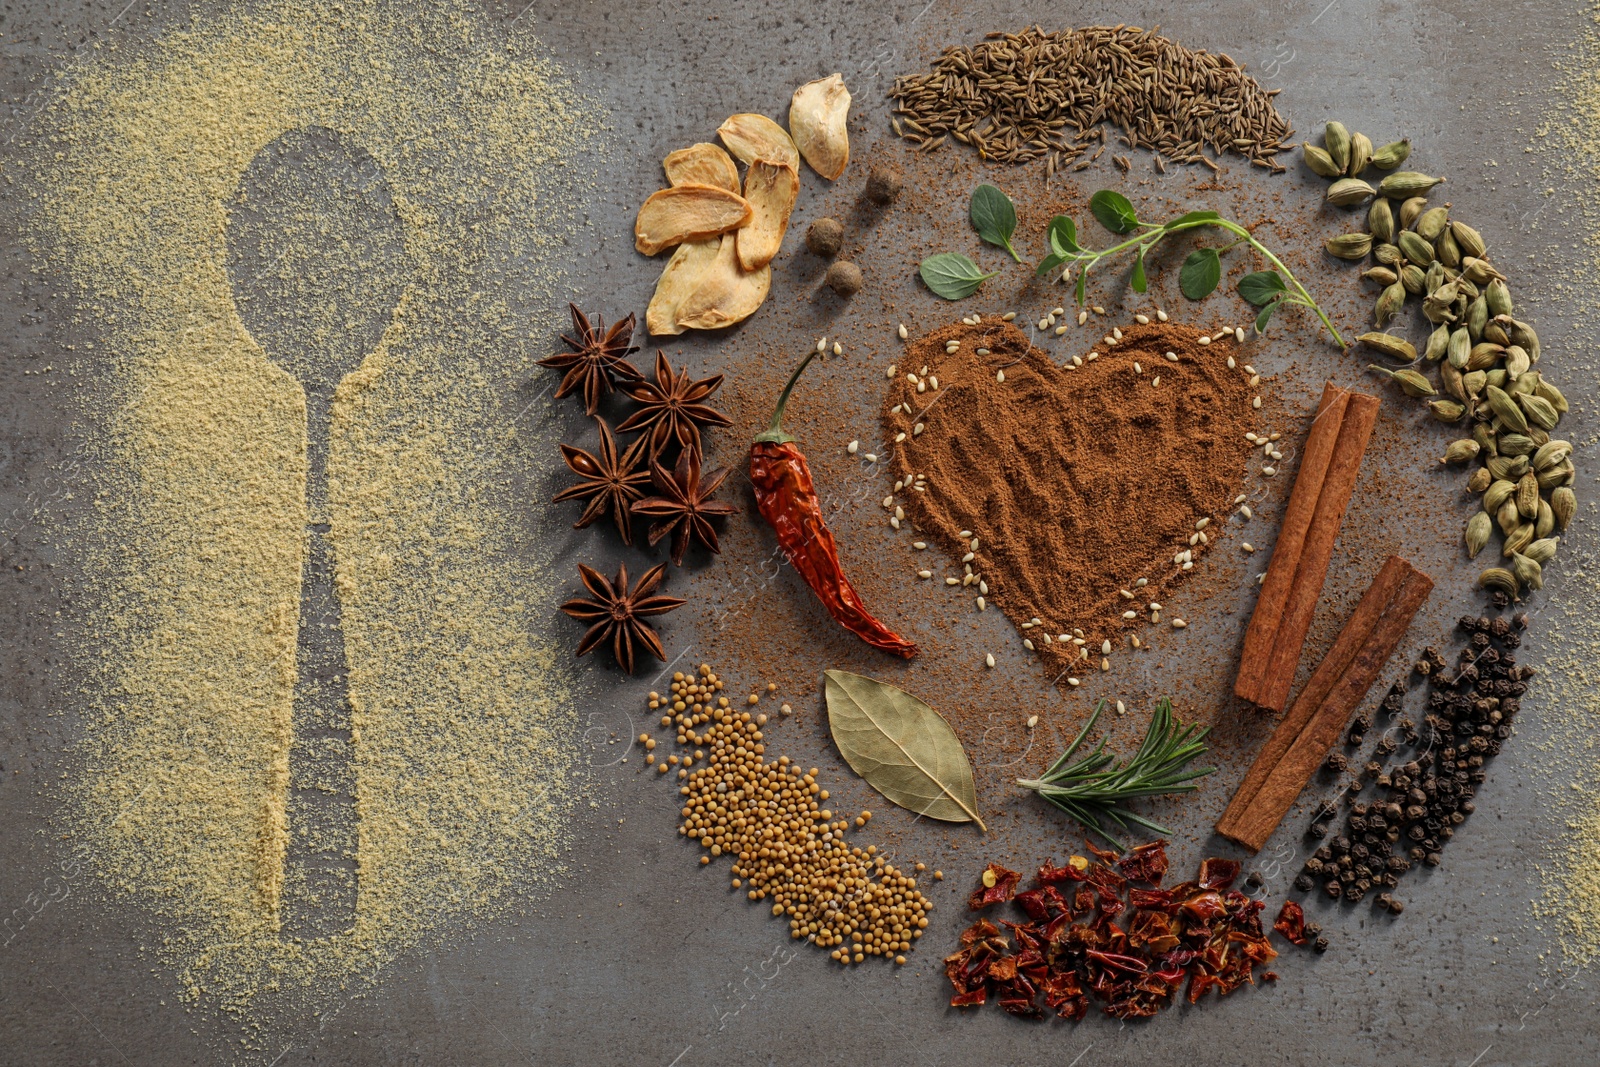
1089 793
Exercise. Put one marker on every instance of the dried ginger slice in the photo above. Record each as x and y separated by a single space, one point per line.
771 188
682 276
702 164
687 212
727 293
751 137
817 115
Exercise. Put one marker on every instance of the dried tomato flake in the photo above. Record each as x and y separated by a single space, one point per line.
999 885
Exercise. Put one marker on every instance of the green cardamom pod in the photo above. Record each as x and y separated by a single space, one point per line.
1507 468
1390 345
1438 345
1469 240
1564 505
1479 480
1407 183
1446 249
1391 155
1498 580
1388 304
1413 383
1483 356
1523 334
1542 550
1479 528
1517 362
1447 410
1380 220
1458 347
1518 538
1460 451
1545 524
1540 412
1478 317
1348 192
1507 517
1350 246
1464 286
1506 409
1528 496
1336 139
1550 393
1487 441
1518 385
1499 295
1538 437
1514 444
1320 162
1452 382
1479 271
1411 209
1559 475
1473 382
1413 278
1498 494
1435 278
1527 571
1360 154
1495 334
1496 377
1389 255
1431 223
1382 275
1550 453
1414 248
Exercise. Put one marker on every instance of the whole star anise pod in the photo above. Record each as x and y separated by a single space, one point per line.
597 361
685 505
608 481
617 613
672 407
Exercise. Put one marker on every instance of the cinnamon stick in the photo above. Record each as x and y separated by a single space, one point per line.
1323 485
1338 685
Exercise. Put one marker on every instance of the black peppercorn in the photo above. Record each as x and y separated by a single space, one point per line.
1321 944
1334 888
1396 906
1304 883
1335 762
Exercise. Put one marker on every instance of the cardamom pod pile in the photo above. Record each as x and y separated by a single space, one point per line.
1484 354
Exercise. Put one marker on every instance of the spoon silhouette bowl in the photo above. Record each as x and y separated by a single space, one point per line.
317 264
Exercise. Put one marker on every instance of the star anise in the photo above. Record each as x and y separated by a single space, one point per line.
672 408
618 613
685 505
597 361
607 481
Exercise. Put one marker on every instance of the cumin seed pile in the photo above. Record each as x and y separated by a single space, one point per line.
1018 97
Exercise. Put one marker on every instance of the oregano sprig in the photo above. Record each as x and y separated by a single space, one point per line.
1092 794
1201 272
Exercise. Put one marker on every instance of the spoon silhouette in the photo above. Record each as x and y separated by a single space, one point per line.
316 263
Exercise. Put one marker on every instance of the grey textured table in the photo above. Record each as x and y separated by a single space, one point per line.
640 956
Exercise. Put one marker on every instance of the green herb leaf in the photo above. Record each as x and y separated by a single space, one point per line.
1262 287
1082 290
1190 218
1200 273
1049 263
1266 315
994 217
1114 211
952 275
1092 794
1139 282
902 747
1062 234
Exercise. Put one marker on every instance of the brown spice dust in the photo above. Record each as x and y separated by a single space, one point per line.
1076 482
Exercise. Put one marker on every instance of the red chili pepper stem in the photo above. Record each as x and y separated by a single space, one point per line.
775 433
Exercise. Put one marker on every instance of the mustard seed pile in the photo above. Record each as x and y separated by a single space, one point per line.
787 847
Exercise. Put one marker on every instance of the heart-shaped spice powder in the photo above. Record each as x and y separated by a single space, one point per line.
1076 481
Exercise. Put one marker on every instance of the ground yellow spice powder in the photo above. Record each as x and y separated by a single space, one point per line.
463 733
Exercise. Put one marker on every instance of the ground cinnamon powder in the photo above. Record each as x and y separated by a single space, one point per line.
1076 480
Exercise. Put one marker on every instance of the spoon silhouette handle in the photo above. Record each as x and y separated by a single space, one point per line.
322 786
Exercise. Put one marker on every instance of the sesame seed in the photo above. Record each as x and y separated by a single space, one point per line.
1027 644
903 332
1105 647
1231 363
1060 330
899 437
1130 614
1155 381
1255 380
1105 664
1122 709
1256 403
952 581
1205 340
872 457
1142 320
981 604
933 381
1238 334
1009 316
988 660
1116 333
1247 546
1000 376
888 501
916 431
852 447
1125 594
1188 565
1267 472
1201 524
1136 368
1110 342
1154 606
894 522
1072 682
822 344
964 534
983 351
1083 317
1033 720
983 587
1141 583
890 373
1173 356
924 574
1178 624
838 349
968 558
1244 509
899 512
1098 310
922 387
919 545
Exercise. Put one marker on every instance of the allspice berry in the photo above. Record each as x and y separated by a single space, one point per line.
844 278
824 237
883 184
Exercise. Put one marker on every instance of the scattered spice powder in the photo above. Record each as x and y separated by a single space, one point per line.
1057 489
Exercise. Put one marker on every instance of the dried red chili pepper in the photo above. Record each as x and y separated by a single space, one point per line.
1292 923
788 501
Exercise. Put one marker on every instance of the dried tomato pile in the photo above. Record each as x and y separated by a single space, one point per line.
1074 948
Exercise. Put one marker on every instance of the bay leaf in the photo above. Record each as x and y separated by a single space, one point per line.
901 747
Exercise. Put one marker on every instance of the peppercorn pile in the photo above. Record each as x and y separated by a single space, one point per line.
787 847
1204 930
1469 716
